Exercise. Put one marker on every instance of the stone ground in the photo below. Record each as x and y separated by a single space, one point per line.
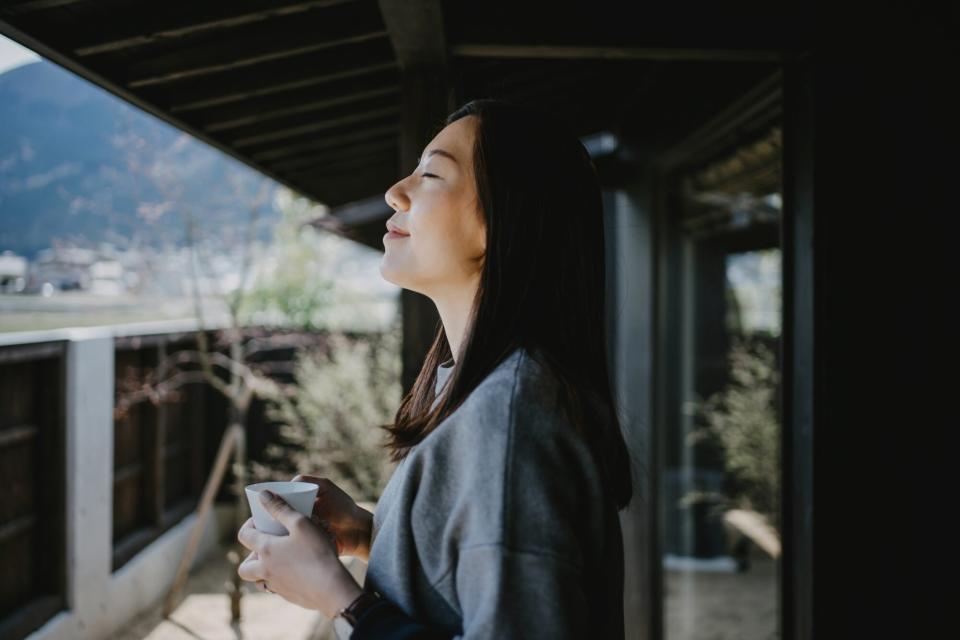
699 605
204 611
704 605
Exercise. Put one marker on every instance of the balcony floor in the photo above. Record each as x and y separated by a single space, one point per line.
204 611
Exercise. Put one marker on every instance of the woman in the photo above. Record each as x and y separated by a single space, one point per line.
500 520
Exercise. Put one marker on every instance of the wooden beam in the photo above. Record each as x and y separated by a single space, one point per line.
13 352
578 52
352 119
146 28
299 113
325 141
756 105
380 170
350 181
254 44
416 30
359 165
193 99
362 211
275 104
359 152
370 108
20 8
344 151
225 57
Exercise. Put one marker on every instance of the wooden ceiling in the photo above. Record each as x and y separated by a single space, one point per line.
309 92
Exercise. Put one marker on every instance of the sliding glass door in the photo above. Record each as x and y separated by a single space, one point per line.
718 412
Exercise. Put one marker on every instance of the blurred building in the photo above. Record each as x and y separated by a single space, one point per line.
13 272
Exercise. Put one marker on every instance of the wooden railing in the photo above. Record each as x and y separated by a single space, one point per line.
78 485
32 508
159 463
85 488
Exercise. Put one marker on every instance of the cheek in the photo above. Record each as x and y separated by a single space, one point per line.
443 242
438 239
440 251
473 239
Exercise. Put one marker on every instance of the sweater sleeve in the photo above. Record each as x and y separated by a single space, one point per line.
504 593
386 621
511 593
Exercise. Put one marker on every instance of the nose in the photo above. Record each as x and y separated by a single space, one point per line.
395 197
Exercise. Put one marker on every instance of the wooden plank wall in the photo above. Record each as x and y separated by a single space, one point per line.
32 461
158 450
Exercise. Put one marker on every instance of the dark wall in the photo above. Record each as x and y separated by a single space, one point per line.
879 134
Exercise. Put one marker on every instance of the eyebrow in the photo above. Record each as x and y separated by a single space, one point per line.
440 152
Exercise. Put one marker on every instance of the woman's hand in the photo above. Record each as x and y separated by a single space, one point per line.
341 517
302 567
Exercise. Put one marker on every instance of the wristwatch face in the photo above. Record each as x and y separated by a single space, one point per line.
342 627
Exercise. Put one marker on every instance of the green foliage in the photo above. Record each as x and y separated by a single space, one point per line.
330 415
331 424
743 421
291 287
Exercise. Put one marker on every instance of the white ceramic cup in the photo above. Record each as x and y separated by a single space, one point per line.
299 495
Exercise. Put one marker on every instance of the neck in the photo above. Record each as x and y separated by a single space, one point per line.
454 309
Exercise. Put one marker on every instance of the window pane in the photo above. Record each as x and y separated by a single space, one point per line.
721 484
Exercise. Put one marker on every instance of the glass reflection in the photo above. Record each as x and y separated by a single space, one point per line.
721 483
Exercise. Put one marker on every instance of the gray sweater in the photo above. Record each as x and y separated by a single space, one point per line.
496 525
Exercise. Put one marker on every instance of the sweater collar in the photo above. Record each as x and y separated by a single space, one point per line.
443 373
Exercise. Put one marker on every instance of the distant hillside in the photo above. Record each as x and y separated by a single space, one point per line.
62 175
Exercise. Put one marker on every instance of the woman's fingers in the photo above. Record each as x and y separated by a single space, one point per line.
251 569
318 501
249 537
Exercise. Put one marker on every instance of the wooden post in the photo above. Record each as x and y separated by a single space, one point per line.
416 31
157 462
231 437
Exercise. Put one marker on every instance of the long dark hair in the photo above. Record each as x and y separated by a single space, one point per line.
541 288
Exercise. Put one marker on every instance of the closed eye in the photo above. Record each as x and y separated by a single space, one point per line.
429 175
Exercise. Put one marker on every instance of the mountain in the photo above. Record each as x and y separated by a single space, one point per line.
76 162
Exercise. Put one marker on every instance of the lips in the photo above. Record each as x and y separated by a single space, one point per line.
395 230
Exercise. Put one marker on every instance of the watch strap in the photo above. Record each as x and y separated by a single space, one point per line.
353 611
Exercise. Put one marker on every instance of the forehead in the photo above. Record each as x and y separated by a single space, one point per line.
457 138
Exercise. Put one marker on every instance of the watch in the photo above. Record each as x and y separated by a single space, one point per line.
346 618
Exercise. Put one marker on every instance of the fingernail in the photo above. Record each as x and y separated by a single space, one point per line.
266 496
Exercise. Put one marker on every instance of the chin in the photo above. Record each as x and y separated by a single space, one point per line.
387 274
393 272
